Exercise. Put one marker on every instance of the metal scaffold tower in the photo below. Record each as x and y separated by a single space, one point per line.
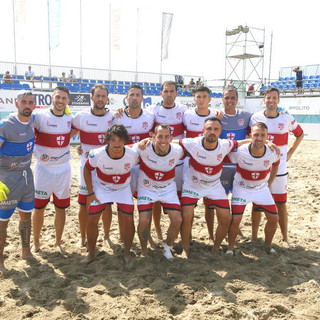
244 57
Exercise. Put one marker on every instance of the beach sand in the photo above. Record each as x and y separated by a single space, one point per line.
250 285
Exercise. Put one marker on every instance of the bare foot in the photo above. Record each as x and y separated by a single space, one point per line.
215 251
152 243
59 247
144 252
109 242
185 254
286 244
88 259
36 245
26 254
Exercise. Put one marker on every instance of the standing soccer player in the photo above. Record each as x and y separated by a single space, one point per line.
92 125
16 179
52 169
279 126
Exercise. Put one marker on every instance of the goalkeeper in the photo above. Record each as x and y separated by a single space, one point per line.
16 180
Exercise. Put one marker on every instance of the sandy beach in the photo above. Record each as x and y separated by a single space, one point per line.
250 285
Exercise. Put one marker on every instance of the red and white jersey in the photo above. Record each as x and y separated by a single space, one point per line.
138 128
171 116
253 173
194 123
52 145
278 132
205 166
92 129
112 174
157 172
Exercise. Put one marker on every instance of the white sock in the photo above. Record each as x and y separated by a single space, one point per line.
167 252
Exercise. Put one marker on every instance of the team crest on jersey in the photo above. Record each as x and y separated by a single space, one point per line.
231 135
135 139
270 137
116 179
171 162
241 122
44 157
127 166
144 125
29 146
255 175
208 170
293 122
146 183
60 140
281 126
158 175
266 163
109 123
219 157
179 115
195 179
12 165
101 138
69 124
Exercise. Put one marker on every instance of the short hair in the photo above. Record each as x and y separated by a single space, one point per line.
135 86
212 119
261 125
62 88
169 83
162 126
98 86
24 93
201 89
230 90
118 130
273 89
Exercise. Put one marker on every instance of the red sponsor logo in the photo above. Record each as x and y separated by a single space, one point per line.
29 146
171 162
158 175
231 135
60 140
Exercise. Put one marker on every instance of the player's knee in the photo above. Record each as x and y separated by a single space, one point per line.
176 219
273 219
236 219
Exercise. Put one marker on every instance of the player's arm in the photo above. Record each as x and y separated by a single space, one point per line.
73 132
1 143
118 113
273 147
144 143
294 146
88 180
218 114
273 174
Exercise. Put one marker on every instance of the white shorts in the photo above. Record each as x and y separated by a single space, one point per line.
104 195
168 198
216 195
279 188
261 198
52 180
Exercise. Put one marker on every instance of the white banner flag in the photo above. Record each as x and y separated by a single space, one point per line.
166 29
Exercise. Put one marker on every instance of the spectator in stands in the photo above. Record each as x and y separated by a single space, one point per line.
191 85
250 90
29 74
199 83
180 81
8 78
262 89
230 84
63 77
72 76
298 72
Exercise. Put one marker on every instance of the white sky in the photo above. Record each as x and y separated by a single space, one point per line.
197 42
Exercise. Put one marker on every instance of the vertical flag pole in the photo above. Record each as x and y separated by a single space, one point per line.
14 39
